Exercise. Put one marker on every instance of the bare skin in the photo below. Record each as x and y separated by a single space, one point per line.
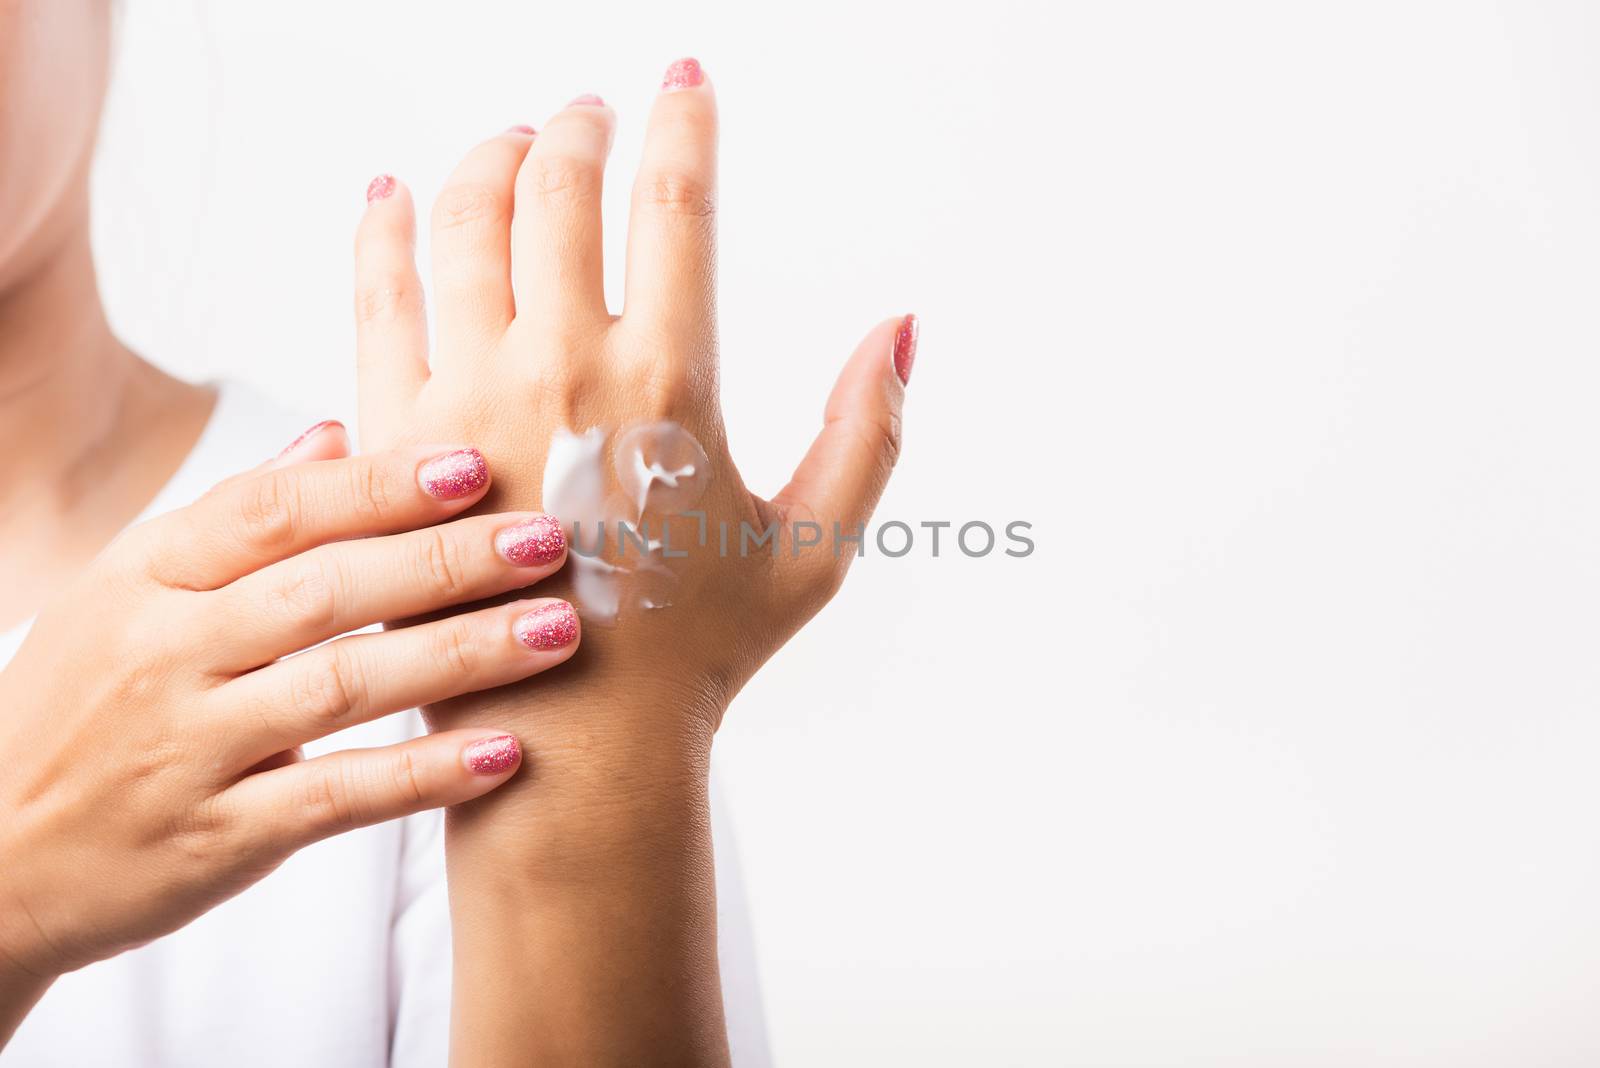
141 789
583 892
89 430
584 905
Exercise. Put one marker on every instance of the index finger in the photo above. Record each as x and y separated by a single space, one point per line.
242 526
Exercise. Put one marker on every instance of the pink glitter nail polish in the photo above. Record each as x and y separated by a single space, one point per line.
587 100
380 187
310 433
539 540
551 626
492 756
454 475
683 74
523 129
905 348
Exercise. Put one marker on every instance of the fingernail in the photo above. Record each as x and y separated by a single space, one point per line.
310 433
683 74
539 540
454 475
528 130
380 187
551 626
492 756
588 100
905 348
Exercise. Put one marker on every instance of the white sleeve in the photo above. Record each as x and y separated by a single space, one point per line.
736 949
419 949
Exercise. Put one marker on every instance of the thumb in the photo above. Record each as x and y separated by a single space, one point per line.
847 466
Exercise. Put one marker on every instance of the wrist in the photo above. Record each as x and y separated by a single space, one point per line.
613 792
589 877
20 991
590 721
21 940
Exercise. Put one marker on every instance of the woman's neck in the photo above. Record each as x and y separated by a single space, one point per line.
89 432
63 376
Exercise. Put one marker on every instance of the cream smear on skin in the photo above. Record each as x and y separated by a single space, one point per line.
657 469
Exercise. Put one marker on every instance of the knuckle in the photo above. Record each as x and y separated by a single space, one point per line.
442 565
665 367
133 553
194 848
309 596
270 511
569 387
456 650
562 178
468 204
158 759
262 707
404 773
387 300
880 433
815 580
889 432
209 818
326 798
678 193
817 575
197 850
328 691
370 491
577 352
665 382
208 838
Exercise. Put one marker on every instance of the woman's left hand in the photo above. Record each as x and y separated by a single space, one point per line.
590 878
527 348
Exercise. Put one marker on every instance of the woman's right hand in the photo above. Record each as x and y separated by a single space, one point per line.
150 725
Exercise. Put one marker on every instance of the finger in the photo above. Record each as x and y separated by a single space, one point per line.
391 321
282 809
342 587
555 237
472 245
327 440
671 275
843 474
364 676
245 526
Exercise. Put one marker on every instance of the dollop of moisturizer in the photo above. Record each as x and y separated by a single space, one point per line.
657 470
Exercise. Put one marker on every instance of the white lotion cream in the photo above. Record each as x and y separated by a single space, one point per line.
657 469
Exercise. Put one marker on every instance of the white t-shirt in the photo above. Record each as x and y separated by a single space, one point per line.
341 957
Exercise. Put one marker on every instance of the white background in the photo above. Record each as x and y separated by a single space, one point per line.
1277 321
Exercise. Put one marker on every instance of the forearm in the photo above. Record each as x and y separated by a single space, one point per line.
584 902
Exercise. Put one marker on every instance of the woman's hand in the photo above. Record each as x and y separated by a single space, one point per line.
527 348
149 761
616 929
